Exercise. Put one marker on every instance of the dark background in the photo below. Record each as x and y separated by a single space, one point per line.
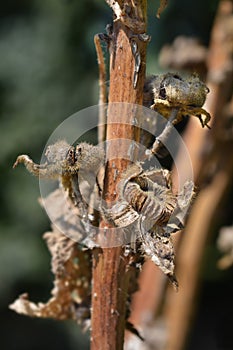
48 71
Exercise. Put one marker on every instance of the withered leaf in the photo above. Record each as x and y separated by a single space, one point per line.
70 299
148 207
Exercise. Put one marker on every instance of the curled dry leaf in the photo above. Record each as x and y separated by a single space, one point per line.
70 299
148 205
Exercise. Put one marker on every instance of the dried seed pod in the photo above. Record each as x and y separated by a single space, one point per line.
67 163
170 91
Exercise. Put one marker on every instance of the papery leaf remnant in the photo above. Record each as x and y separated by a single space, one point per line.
71 293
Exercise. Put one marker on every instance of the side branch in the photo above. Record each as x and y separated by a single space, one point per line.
102 89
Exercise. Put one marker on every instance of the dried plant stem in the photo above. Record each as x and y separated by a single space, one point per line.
190 256
110 278
205 210
179 307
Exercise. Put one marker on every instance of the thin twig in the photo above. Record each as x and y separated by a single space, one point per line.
102 90
163 137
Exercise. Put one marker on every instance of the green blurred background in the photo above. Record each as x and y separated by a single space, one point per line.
48 71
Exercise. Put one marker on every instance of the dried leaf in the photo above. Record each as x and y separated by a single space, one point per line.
158 246
148 207
71 293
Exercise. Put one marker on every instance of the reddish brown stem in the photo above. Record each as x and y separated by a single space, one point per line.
110 278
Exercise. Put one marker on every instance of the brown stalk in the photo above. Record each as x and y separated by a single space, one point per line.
179 307
110 278
215 177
